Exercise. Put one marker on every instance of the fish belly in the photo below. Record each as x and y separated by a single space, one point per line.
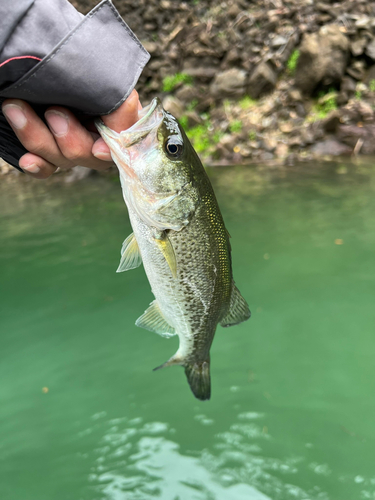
188 301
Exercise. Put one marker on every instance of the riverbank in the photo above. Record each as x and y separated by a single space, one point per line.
261 81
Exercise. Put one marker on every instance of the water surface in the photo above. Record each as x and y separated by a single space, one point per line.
82 415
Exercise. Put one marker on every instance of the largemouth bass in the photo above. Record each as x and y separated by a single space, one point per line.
180 237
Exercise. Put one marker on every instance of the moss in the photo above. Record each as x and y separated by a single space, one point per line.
325 104
192 105
358 95
247 102
252 135
170 82
216 137
199 137
372 85
292 61
184 122
235 126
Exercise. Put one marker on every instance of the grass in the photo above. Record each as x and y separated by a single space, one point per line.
235 126
199 137
202 136
170 82
292 61
326 104
247 102
184 122
192 105
252 135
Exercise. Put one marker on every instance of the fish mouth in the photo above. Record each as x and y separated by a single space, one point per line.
150 117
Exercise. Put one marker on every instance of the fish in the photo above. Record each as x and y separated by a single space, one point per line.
180 237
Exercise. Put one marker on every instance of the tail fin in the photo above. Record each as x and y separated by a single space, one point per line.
198 376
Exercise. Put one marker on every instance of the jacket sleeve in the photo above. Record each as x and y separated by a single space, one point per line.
50 54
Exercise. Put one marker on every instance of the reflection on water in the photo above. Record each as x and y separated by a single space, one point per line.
144 462
83 416
137 460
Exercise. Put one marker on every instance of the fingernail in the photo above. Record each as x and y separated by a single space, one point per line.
102 155
32 169
15 115
58 122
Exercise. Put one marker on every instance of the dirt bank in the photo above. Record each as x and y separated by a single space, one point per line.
261 80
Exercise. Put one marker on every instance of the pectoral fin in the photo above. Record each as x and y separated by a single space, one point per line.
130 256
166 248
153 320
238 310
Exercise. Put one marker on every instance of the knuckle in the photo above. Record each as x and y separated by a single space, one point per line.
75 154
37 147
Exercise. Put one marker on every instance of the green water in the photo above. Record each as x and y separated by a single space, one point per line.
292 414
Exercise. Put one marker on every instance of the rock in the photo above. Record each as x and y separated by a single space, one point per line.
330 147
151 47
5 168
363 22
193 118
357 111
78 173
262 80
331 122
234 10
282 150
174 106
370 75
323 59
357 47
186 93
370 50
278 41
229 83
295 95
204 74
286 127
348 84
354 136
357 70
228 142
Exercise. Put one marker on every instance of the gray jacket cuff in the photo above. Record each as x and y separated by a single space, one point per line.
92 69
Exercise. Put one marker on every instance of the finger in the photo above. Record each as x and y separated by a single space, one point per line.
121 119
36 166
101 150
32 132
73 139
125 116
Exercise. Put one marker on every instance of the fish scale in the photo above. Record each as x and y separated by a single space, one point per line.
180 236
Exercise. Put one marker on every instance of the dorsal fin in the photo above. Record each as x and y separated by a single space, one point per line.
238 310
130 256
152 319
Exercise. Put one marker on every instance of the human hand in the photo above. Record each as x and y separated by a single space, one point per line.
65 142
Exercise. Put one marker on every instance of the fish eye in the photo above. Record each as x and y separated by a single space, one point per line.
173 149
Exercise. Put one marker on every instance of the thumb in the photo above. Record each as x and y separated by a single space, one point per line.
121 119
125 116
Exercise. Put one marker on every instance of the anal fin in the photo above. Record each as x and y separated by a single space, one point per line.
238 310
130 256
153 320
